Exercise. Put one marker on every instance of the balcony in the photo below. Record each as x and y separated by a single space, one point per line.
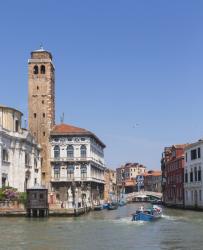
76 159
197 184
79 179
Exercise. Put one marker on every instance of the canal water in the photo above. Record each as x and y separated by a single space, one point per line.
105 230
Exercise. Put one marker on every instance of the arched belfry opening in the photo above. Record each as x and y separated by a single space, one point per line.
42 69
35 70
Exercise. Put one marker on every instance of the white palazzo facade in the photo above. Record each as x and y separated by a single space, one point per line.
77 167
193 177
19 153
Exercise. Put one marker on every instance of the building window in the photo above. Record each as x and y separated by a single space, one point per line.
195 174
83 151
199 153
70 151
200 195
56 152
43 115
35 181
42 101
35 70
42 69
56 172
191 175
5 155
27 159
16 125
70 171
186 177
186 157
35 163
35 115
44 133
83 170
193 154
199 174
37 87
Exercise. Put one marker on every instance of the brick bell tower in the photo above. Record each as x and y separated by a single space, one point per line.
41 104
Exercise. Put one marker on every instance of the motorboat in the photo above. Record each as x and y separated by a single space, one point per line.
98 207
149 214
122 203
112 206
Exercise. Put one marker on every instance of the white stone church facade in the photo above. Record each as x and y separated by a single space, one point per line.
19 152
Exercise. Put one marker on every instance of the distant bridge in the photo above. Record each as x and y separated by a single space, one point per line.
143 195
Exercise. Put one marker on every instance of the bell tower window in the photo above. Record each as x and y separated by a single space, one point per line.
36 70
42 69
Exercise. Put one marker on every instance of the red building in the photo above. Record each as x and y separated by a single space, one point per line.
173 193
152 181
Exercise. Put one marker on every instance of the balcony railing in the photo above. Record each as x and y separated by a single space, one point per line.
70 179
75 159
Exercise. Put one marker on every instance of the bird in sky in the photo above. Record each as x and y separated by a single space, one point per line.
136 125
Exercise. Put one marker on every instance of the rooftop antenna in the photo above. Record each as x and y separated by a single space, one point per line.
41 46
62 118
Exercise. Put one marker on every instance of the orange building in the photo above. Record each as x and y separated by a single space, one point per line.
110 187
127 175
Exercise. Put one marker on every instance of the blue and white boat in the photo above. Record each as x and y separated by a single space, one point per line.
112 205
149 214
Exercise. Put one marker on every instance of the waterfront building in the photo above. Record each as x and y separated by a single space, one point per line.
110 187
152 181
126 176
193 175
174 174
77 167
37 202
139 182
41 104
20 163
165 158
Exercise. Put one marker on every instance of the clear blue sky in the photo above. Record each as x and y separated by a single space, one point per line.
118 63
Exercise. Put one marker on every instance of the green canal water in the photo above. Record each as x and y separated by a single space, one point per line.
105 230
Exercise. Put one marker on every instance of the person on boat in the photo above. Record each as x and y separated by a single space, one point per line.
142 209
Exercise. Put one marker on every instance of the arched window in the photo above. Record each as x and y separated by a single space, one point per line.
42 69
5 155
191 175
35 70
83 170
56 171
27 159
70 171
70 151
199 174
186 176
83 151
56 151
195 174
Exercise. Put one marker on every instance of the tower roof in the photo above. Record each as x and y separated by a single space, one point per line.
41 49
41 53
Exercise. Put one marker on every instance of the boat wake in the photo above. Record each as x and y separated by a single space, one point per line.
173 218
128 220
